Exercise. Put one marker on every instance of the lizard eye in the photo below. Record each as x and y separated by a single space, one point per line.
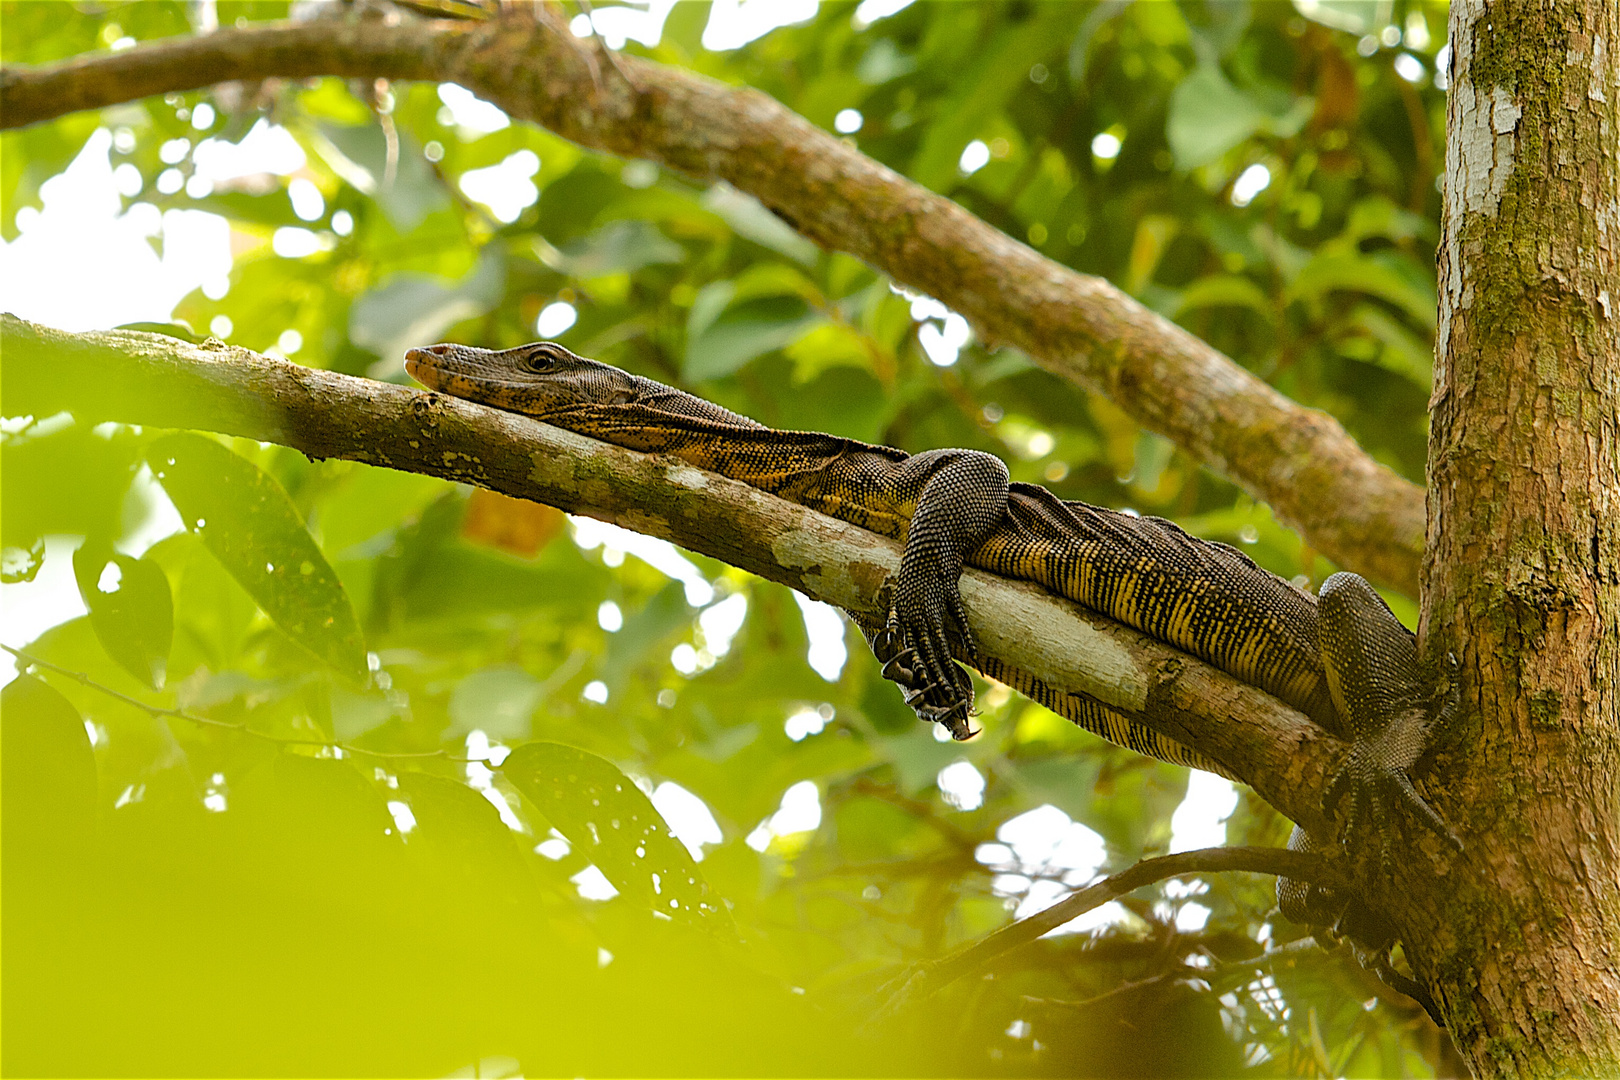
540 360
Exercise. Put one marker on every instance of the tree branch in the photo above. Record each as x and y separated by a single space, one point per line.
1297 865
1299 461
151 379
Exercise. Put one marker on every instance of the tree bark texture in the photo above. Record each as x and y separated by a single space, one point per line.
160 381
1522 574
1299 461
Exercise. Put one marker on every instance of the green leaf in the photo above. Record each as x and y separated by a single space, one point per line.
710 303
774 279
618 247
1377 216
1225 290
752 220
131 609
362 156
744 332
644 631
1209 116
1375 275
179 329
1000 68
611 822
245 518
499 701
461 837
828 345
918 757
69 481
1065 780
1403 351
882 62
414 309
844 400
463 582
1080 46
1351 16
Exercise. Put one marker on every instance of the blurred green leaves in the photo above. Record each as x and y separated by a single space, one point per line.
619 247
48 783
412 308
1209 116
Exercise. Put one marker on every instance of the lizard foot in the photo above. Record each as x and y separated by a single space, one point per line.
920 663
1372 783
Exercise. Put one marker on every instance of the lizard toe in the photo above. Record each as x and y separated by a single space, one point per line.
964 632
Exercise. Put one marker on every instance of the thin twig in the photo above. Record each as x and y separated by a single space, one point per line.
239 726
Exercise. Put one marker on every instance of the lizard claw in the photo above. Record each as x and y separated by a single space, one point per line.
952 718
885 642
898 668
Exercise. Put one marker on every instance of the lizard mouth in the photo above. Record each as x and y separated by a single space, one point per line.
427 366
442 368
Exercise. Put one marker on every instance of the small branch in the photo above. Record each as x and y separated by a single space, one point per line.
229 725
1298 460
1297 865
151 379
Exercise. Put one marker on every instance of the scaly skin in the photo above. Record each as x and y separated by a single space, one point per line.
1345 660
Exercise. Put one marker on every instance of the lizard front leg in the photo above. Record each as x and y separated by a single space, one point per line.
1376 683
961 496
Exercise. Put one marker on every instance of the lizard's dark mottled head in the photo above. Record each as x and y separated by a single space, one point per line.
535 379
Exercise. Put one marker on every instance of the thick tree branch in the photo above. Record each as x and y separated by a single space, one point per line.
164 382
1522 579
1298 460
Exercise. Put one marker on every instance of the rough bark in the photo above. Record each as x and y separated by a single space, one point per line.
1298 460
1522 576
159 381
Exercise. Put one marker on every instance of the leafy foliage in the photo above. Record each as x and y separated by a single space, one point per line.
272 901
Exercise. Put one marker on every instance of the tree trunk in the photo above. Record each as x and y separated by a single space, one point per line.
1522 574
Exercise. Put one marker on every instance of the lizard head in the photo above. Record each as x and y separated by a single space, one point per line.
537 380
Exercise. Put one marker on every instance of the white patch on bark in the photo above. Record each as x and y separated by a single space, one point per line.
553 464
1484 143
827 562
1480 156
1504 120
1602 71
687 477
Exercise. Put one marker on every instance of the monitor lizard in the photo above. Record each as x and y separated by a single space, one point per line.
1340 657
